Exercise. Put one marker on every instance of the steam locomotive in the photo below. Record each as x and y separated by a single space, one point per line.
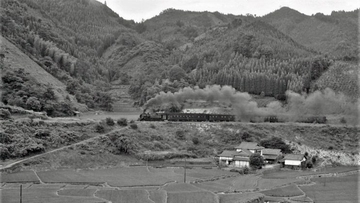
196 117
202 117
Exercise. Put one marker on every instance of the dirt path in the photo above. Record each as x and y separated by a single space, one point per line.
58 149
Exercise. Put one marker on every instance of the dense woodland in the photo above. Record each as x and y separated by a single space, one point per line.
87 46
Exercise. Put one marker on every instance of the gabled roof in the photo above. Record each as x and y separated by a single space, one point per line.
270 157
240 158
249 145
296 157
228 153
269 151
244 153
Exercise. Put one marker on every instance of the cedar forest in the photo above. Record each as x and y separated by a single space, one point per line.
88 47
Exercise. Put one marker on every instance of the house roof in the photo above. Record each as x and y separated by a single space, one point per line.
269 151
241 158
249 145
228 153
270 157
245 153
297 157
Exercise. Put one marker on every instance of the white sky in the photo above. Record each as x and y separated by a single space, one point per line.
145 9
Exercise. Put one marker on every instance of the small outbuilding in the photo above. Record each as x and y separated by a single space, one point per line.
271 155
294 160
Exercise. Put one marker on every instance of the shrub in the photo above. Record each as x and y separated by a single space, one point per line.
330 147
343 120
133 126
276 143
5 114
99 128
180 135
246 170
122 122
132 121
256 161
195 140
152 126
246 137
109 121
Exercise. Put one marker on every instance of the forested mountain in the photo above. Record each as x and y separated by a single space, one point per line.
88 47
335 34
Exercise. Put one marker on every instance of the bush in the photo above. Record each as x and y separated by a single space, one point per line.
195 140
343 120
133 126
5 114
122 122
99 128
132 121
152 126
109 121
256 161
180 135
276 143
246 170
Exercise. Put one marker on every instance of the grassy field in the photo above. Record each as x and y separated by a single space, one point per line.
288 191
343 189
19 177
67 176
284 174
124 195
77 192
241 198
192 197
41 195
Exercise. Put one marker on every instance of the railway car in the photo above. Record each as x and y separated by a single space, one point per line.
196 117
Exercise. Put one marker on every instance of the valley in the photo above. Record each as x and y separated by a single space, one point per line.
76 78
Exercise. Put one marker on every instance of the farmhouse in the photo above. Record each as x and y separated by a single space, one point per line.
227 157
294 160
241 156
251 146
242 159
271 155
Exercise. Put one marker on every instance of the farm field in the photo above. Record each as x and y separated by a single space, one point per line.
192 197
20 177
36 194
283 174
344 189
288 191
130 186
240 198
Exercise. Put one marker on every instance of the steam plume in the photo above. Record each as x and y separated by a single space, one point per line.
317 103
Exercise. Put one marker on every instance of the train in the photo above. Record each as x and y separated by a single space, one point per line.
202 117
194 117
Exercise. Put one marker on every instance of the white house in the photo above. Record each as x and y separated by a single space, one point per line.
294 160
242 159
251 146
227 157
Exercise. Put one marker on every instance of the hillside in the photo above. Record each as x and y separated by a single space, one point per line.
166 140
14 59
334 34
92 50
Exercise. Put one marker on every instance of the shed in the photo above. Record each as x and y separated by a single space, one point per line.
271 155
294 159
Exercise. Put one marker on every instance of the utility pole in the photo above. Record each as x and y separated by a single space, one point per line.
185 171
20 193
